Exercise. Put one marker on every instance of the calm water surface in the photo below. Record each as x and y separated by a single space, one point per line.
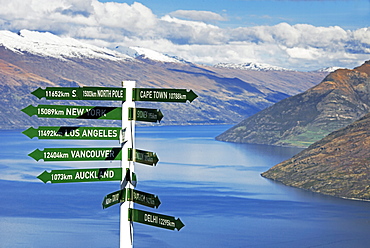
214 187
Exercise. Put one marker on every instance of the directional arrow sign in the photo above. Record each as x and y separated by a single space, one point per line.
81 93
81 175
163 95
82 133
77 154
144 114
143 198
154 219
144 157
114 198
76 112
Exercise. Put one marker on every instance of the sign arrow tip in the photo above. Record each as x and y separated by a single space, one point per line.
179 224
160 115
30 132
191 95
157 202
36 154
30 110
39 93
156 159
45 177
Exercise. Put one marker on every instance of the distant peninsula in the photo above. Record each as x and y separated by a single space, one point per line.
338 165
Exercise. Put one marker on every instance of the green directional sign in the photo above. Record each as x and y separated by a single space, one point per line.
81 93
76 112
143 157
134 195
77 154
154 219
143 198
163 95
81 175
145 114
82 133
114 198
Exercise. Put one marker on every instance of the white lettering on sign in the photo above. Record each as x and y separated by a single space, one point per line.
86 175
146 94
101 133
143 198
160 94
151 218
177 96
55 155
75 111
49 111
92 153
165 222
56 93
61 177
88 93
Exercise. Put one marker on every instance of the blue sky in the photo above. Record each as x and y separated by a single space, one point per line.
345 13
301 35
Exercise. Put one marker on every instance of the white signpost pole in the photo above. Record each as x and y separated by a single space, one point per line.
127 141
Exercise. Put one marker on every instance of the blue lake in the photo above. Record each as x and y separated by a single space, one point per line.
214 187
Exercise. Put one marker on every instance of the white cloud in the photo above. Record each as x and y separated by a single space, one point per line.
299 46
195 15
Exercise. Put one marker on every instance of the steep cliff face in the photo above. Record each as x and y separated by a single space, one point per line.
340 99
338 165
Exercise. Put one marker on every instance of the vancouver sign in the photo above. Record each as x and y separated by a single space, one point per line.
77 154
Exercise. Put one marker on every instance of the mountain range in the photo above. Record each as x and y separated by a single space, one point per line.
338 165
29 60
340 99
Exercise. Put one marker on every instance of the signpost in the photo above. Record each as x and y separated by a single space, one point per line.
127 153
114 198
153 219
81 93
82 133
134 195
143 157
144 114
81 175
143 198
77 154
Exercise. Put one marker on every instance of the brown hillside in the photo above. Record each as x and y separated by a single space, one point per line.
338 165
340 99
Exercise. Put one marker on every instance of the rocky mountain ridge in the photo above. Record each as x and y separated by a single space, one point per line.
340 99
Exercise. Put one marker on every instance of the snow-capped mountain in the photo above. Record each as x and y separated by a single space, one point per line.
50 45
329 69
153 55
140 52
251 66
